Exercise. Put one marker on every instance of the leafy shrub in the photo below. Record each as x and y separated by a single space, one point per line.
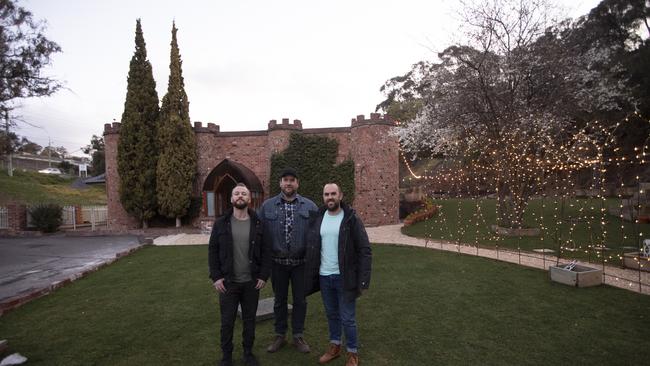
194 211
47 217
66 167
314 157
428 211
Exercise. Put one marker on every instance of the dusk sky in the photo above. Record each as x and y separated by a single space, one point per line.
244 62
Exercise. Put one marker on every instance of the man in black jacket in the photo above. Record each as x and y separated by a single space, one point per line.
338 263
240 264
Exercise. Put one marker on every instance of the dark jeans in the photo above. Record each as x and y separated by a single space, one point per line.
280 278
238 293
340 313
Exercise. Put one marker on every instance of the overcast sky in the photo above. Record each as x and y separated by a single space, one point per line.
244 62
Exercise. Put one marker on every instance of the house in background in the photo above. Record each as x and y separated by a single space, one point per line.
32 162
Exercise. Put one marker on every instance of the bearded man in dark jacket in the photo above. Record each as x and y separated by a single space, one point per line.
240 264
338 263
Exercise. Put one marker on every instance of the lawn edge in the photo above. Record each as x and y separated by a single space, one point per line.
16 301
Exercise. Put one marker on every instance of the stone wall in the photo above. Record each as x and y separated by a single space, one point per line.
118 219
368 142
17 216
375 151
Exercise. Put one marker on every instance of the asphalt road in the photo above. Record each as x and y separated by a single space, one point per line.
29 264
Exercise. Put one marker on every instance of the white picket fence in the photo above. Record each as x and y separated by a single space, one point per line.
4 218
94 216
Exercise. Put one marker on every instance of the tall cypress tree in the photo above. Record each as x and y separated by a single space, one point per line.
177 163
137 150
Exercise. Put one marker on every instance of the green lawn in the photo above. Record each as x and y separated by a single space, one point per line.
576 225
425 307
33 187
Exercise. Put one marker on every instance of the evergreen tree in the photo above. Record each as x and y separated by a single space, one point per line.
137 151
24 53
177 164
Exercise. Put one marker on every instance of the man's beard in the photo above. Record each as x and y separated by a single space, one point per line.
239 204
335 207
289 192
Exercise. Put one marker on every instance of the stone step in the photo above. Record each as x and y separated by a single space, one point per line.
264 309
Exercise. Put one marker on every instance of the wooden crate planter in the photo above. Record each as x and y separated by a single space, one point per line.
635 260
578 276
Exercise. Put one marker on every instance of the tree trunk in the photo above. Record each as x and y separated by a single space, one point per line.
510 212
10 168
178 222
145 225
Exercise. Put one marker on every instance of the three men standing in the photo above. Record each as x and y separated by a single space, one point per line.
239 262
285 219
312 249
339 261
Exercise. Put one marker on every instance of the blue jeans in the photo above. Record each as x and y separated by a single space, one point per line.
340 313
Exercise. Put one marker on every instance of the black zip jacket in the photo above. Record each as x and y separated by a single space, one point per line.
220 249
355 255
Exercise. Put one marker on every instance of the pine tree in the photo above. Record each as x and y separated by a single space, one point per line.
177 164
137 150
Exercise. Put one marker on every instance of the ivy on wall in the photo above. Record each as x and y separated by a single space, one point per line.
314 158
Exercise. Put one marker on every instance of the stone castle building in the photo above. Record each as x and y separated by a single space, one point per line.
226 158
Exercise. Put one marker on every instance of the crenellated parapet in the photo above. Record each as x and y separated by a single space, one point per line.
211 128
375 119
112 128
285 125
368 142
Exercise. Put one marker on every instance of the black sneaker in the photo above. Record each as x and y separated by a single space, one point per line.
250 360
226 361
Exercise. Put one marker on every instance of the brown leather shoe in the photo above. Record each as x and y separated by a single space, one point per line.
278 342
353 359
333 352
301 344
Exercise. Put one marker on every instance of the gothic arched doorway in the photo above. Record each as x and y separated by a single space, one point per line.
219 184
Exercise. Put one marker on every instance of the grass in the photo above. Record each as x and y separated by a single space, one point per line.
157 307
33 187
577 225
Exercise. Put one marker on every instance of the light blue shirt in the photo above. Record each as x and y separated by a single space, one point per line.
329 250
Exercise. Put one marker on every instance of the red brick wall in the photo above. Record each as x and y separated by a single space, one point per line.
376 157
17 217
366 142
118 219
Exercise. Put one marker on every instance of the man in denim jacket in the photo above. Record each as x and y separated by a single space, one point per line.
285 219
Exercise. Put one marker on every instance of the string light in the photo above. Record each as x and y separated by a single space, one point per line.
520 166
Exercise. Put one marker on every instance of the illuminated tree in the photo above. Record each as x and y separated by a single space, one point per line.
508 102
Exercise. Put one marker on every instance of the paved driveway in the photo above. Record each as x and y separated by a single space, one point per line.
31 264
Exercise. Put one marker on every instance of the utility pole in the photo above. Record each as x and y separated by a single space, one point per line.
10 170
49 151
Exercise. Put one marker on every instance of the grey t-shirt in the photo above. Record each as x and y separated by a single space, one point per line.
240 239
